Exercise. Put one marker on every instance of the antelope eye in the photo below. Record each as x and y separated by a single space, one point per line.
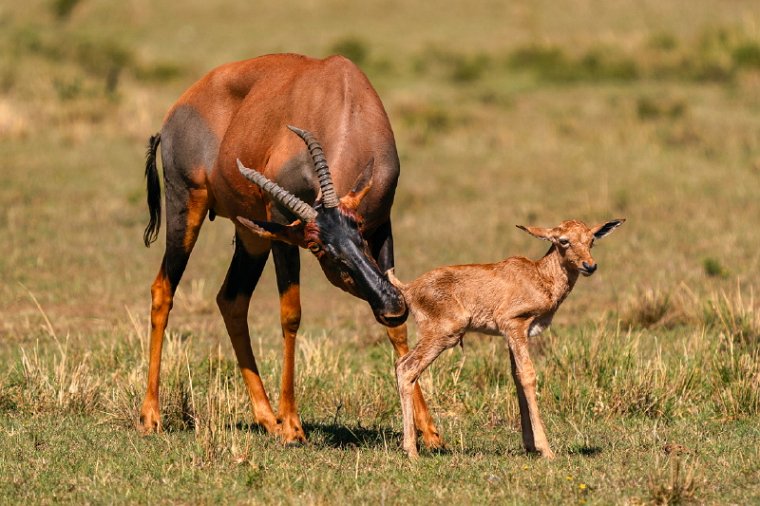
314 247
564 242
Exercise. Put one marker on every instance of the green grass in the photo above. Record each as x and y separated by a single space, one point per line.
518 114
613 402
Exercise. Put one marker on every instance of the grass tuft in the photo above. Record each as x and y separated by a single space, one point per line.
656 308
672 486
736 320
649 108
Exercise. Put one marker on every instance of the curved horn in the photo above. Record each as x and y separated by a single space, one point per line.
279 194
329 198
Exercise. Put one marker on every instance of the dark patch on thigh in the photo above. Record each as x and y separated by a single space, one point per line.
187 145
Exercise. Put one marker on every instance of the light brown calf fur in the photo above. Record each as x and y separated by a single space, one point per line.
516 298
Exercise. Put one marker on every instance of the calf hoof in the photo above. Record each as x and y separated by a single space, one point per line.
547 453
412 454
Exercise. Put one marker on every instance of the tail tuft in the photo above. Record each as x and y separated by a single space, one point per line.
154 191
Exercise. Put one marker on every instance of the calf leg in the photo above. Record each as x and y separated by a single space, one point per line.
381 244
422 419
408 370
524 375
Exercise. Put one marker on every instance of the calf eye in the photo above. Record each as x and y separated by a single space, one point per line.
564 242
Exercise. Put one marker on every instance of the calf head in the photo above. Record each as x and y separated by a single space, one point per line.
574 240
332 231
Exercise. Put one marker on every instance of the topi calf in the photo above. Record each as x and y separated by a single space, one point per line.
516 298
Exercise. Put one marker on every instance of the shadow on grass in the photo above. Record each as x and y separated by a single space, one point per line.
331 435
586 451
337 436
248 427
343 436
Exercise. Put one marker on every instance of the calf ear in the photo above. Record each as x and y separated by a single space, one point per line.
606 229
540 233
291 234
362 185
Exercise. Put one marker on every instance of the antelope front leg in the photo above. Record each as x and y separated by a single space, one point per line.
524 375
287 267
233 300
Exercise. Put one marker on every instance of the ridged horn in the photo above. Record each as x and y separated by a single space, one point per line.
278 193
329 198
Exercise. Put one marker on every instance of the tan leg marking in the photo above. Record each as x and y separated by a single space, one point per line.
162 297
290 319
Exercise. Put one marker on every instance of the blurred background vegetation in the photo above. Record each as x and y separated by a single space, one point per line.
505 113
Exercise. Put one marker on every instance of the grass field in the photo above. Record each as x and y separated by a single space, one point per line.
504 113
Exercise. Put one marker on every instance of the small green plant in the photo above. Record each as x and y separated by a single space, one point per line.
353 48
542 58
713 268
466 69
426 120
747 55
62 9
663 41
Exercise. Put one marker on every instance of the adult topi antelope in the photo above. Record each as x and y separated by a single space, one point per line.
516 298
234 118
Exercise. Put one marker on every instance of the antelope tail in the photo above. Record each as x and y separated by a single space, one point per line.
154 191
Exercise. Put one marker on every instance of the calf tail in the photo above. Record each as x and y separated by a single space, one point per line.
154 191
395 281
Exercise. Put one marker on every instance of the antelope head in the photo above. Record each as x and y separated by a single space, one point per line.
331 230
573 241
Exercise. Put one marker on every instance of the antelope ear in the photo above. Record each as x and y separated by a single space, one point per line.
291 234
606 229
538 232
362 185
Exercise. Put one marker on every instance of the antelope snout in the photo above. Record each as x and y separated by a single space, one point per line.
589 269
394 317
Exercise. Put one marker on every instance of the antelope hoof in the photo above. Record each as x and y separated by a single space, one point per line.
271 425
150 418
291 431
433 440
